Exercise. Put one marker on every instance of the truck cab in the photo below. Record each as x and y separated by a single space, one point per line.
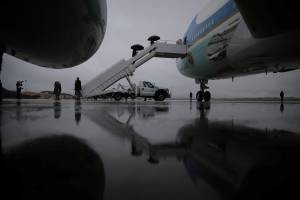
146 89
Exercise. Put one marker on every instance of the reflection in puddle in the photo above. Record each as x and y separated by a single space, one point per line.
175 150
57 109
77 111
56 167
235 161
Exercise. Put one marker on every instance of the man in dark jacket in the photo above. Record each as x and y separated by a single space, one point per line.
281 96
57 89
77 88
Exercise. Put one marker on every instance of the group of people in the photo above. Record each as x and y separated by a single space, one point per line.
57 89
77 87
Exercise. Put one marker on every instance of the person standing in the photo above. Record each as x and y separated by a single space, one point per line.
191 96
19 88
57 89
281 96
78 88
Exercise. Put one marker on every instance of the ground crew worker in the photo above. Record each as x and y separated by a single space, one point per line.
57 89
281 96
78 88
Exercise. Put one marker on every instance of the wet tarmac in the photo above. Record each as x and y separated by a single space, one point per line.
148 150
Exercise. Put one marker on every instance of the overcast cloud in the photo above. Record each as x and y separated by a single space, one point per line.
130 22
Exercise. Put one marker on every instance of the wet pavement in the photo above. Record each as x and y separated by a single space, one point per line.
149 150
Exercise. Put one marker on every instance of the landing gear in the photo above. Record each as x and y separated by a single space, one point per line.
207 96
202 94
199 96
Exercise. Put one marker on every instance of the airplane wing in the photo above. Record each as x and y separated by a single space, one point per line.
268 17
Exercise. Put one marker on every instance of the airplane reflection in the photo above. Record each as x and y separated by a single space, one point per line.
54 167
236 161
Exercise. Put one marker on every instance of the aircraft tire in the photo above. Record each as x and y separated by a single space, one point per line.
199 96
207 96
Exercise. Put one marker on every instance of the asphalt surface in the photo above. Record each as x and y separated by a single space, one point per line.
149 150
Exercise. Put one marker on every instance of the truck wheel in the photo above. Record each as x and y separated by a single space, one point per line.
160 96
118 96
132 96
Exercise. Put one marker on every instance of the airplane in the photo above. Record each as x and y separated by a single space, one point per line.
231 38
52 33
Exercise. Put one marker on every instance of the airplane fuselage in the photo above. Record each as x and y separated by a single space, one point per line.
221 45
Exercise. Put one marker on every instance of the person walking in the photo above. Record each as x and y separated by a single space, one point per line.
78 88
281 96
191 96
57 89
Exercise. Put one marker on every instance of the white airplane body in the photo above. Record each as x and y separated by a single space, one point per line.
227 40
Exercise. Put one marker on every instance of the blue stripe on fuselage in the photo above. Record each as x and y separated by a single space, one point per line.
197 31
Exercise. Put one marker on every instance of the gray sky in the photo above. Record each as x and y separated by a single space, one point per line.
130 22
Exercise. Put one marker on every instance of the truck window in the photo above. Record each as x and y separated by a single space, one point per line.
148 84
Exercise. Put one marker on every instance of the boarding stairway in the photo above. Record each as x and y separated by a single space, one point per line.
125 68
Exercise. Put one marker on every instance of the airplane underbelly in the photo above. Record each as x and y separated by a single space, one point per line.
249 55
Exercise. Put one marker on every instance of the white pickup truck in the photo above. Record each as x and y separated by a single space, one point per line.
144 89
